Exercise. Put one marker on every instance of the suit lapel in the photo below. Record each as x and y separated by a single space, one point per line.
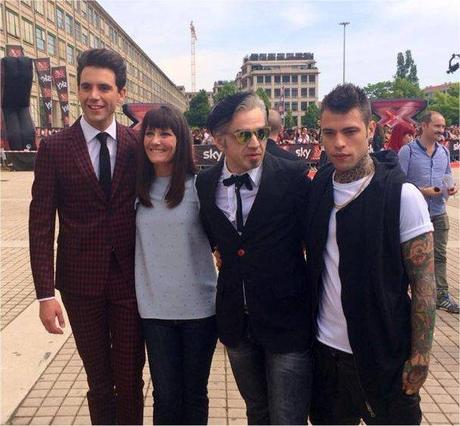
122 155
82 159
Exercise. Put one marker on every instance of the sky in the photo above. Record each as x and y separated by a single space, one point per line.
228 30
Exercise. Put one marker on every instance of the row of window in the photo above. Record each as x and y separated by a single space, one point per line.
286 78
293 106
292 93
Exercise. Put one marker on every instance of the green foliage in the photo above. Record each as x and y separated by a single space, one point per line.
447 104
380 90
404 88
198 111
263 95
289 120
311 117
406 68
227 89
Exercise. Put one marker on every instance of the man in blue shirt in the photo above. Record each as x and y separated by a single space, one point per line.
427 165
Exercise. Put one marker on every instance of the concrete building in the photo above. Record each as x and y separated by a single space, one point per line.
429 91
294 73
61 30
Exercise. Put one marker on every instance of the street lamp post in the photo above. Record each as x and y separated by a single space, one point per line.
344 26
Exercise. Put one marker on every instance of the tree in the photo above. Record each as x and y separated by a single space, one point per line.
311 117
406 68
447 104
229 88
198 111
289 120
403 88
380 90
263 95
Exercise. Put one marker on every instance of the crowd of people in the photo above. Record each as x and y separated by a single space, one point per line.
326 291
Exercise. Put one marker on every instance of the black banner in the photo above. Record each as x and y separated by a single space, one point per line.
43 69
60 81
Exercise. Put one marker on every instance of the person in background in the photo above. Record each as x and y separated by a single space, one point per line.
401 135
275 123
426 163
174 270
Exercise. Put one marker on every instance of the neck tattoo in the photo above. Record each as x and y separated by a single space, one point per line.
364 167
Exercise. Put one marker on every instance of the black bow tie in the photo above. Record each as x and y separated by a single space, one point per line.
239 181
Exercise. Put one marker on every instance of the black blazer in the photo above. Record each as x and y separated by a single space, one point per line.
265 264
275 150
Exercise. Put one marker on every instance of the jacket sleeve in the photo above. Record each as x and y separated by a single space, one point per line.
42 217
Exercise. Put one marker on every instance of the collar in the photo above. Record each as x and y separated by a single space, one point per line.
255 174
89 132
436 144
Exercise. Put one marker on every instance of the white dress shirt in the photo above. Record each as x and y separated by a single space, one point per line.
226 196
94 146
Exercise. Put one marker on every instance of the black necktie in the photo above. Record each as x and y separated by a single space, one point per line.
239 181
105 174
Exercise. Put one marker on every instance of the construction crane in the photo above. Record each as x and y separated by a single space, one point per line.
194 38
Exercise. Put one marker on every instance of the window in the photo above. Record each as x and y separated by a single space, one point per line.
69 24
277 93
287 106
50 11
83 8
286 79
60 18
70 54
287 93
77 31
294 93
303 106
294 78
27 2
1 20
91 40
311 92
260 79
277 79
268 79
39 7
311 78
84 36
295 106
27 31
61 49
72 83
40 38
304 92
51 44
304 78
268 92
12 23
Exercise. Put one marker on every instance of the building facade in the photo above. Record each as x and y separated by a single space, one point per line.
429 91
60 30
293 74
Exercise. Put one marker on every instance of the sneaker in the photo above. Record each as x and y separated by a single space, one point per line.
446 304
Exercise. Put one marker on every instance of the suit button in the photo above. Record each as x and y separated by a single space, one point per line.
240 252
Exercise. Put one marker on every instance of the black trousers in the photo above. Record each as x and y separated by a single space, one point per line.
338 397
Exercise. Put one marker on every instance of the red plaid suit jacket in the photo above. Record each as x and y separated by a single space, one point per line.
90 226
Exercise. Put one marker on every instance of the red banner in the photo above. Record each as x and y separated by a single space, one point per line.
60 81
14 50
43 69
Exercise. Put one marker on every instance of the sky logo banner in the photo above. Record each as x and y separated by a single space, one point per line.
43 69
59 76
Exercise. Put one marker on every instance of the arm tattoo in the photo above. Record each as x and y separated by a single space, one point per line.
419 264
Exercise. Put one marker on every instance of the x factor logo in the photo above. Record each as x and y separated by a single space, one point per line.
137 111
392 111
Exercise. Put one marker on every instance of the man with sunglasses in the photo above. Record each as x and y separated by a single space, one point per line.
252 206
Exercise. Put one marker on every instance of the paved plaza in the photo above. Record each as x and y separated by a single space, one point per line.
43 381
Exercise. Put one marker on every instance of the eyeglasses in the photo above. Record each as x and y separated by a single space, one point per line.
244 136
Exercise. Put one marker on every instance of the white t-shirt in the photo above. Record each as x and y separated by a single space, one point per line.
414 220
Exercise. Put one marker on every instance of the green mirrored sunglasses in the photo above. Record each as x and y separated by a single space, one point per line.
244 136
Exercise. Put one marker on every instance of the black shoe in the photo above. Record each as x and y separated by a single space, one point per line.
448 305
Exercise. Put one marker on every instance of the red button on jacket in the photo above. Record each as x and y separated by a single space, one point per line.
240 252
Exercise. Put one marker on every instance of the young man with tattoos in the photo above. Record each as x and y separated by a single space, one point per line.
369 238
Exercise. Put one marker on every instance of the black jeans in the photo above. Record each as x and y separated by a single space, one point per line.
338 398
180 355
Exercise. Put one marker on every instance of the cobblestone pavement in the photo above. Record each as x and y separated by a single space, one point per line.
59 395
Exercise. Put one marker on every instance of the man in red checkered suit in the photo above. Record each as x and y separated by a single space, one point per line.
87 174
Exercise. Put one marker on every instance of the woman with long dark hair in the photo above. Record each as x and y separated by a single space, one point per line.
175 274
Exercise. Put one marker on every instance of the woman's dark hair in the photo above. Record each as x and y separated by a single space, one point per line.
103 58
165 117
